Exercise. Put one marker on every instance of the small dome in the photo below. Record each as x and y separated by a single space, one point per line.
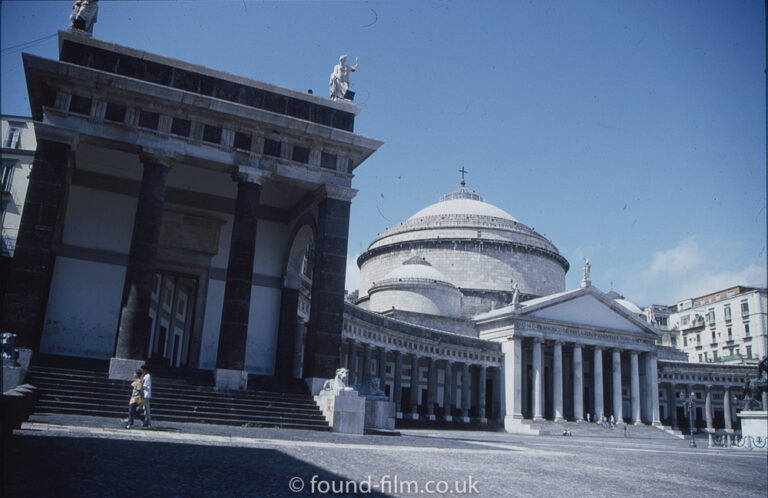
415 268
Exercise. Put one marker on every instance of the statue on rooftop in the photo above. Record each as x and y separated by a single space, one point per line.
83 16
339 83
585 281
516 295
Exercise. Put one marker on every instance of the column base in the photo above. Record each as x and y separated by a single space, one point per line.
637 422
539 419
483 420
413 416
448 418
466 420
559 419
122 368
230 380
399 415
577 420
431 418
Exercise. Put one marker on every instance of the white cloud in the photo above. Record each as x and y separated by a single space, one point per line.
352 281
688 270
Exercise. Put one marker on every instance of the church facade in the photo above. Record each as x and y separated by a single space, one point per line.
196 219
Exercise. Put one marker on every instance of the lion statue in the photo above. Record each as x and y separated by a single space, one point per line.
338 383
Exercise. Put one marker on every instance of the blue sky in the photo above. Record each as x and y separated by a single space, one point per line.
632 133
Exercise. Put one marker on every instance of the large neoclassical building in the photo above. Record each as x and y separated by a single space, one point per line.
196 219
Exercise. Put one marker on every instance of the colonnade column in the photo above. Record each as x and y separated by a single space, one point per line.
287 328
537 395
578 384
708 406
617 399
415 387
397 395
230 358
512 395
481 378
672 404
727 409
134 324
598 383
352 361
634 386
652 387
382 368
366 373
449 391
465 392
557 385
431 388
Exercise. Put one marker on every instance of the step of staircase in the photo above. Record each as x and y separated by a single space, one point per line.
175 398
591 429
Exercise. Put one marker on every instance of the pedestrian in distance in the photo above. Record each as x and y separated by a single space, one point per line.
146 389
136 398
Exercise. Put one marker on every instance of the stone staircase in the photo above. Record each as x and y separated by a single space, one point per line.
177 398
591 429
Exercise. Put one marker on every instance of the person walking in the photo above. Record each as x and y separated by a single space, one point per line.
136 398
146 389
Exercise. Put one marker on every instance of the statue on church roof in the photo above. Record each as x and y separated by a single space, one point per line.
83 16
516 295
585 281
339 83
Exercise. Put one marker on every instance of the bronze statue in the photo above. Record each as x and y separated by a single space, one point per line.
756 388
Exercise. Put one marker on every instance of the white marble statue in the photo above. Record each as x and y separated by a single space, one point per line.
338 383
339 83
83 16
516 295
587 267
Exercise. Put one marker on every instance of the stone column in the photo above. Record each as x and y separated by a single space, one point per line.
512 398
598 383
31 269
397 395
327 313
557 385
465 392
235 312
352 362
415 387
449 391
431 389
286 334
727 409
382 367
708 407
617 401
481 380
652 387
578 384
634 386
366 373
672 404
134 324
537 395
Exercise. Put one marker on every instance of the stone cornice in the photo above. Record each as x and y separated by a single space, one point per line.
249 174
337 192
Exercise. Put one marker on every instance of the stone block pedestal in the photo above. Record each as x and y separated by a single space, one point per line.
379 414
345 411
230 380
754 423
122 369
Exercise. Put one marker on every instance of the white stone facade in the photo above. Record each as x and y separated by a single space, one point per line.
18 149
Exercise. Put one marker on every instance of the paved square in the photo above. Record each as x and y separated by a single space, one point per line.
80 456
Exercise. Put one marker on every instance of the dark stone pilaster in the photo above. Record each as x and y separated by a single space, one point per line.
133 328
286 335
481 391
366 363
398 382
382 367
327 313
415 392
29 278
431 388
449 390
237 293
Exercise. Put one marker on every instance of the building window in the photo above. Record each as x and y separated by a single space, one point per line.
115 112
749 351
714 355
272 147
727 313
699 357
685 320
7 174
730 333
80 105
674 341
744 308
13 138
328 161
711 317
242 141
714 336
181 127
212 134
300 154
685 341
746 329
698 338
149 120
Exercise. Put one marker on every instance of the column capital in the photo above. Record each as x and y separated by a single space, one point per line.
44 131
249 174
158 156
538 340
598 348
558 342
337 192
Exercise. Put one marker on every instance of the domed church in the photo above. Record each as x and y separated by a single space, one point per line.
477 254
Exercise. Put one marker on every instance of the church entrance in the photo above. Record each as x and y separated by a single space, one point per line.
170 313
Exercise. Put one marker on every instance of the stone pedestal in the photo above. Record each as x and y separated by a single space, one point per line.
345 411
754 423
519 426
379 414
230 380
14 372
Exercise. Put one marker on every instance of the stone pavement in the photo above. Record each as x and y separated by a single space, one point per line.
59 455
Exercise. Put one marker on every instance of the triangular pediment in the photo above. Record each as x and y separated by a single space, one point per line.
586 307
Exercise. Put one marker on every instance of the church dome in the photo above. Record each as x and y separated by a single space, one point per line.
415 268
476 246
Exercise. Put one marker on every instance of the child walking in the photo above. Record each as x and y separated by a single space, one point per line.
136 398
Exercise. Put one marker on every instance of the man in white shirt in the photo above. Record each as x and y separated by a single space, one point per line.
146 387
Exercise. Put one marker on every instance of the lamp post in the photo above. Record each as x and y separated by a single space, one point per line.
689 405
